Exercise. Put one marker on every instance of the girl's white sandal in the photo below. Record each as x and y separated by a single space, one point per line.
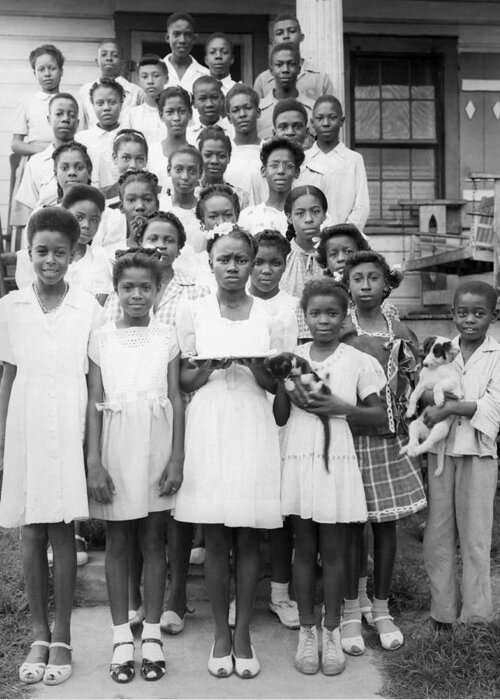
58 673
355 646
389 640
32 672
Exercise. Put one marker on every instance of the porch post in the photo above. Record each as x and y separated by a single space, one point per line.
323 46
496 235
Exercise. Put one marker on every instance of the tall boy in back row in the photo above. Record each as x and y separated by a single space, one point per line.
285 29
461 498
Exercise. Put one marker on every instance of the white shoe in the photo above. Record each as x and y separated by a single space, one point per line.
82 557
171 623
307 656
332 656
288 613
390 640
136 617
352 643
197 555
231 618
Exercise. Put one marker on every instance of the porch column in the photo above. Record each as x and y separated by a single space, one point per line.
323 46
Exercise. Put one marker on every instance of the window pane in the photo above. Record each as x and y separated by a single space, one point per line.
423 120
374 193
421 189
371 156
396 164
367 120
367 80
395 79
391 193
395 120
423 164
422 79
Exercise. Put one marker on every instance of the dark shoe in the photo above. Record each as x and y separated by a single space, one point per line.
122 673
152 670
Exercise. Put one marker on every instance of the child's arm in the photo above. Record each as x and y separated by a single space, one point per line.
171 478
193 378
19 146
262 376
100 486
435 414
281 405
361 207
370 413
8 376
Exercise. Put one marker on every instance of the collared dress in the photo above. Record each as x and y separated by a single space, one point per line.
44 474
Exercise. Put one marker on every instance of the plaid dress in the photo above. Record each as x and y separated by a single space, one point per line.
393 482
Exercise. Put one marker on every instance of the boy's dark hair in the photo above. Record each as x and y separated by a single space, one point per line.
297 192
64 96
206 80
284 47
273 144
219 35
271 238
241 89
281 18
348 230
169 218
214 133
237 232
217 190
136 175
111 41
46 49
479 288
152 59
392 276
190 150
109 83
324 287
129 136
174 91
180 15
289 104
80 193
53 219
329 99
145 258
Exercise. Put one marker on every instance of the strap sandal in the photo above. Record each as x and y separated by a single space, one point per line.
152 670
355 646
124 672
389 640
58 673
32 672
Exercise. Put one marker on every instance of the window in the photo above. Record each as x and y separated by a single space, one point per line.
396 127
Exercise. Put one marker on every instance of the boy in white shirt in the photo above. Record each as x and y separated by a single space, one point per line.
285 28
183 69
461 499
153 76
242 107
208 103
336 169
39 175
219 57
110 62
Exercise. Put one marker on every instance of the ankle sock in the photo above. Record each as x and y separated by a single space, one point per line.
380 607
279 593
152 651
124 652
364 600
351 610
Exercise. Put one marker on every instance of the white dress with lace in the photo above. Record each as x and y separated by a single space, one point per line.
137 416
307 488
232 462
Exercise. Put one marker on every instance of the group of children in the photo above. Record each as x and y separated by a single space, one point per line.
210 250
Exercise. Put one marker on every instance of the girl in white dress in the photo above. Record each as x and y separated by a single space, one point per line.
232 473
135 451
44 333
326 506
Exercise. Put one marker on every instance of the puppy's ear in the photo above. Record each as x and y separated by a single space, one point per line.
428 343
450 351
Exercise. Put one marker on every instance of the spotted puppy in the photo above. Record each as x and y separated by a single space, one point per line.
436 374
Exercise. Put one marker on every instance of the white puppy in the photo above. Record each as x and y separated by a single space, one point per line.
436 374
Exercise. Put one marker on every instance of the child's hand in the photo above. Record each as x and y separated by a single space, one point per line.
171 478
100 485
210 365
326 405
298 395
433 415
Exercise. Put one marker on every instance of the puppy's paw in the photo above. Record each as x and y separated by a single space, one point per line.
439 398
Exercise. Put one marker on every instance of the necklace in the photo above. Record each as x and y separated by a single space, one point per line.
42 305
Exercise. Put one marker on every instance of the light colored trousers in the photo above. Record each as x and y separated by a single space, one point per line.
460 507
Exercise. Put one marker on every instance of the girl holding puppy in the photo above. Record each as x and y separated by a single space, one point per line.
326 505
393 483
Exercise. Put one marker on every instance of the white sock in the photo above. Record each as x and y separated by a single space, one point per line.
152 651
279 593
124 652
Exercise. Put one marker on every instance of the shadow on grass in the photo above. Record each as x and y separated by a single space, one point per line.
461 663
